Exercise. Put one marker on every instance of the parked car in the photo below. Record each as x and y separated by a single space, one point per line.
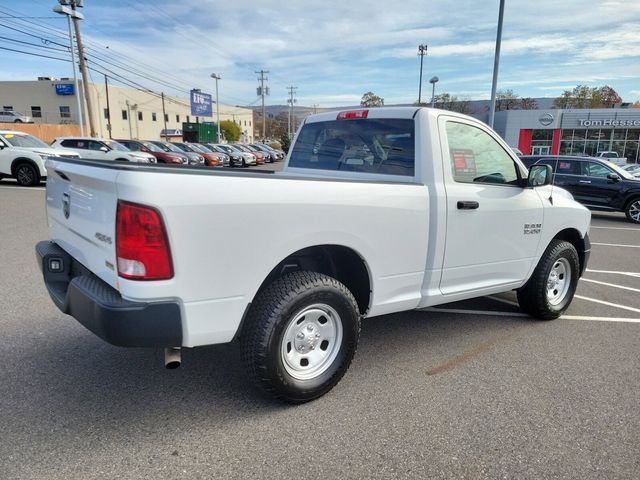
633 169
613 157
210 159
194 157
269 156
260 158
597 183
102 149
22 157
226 159
173 158
412 223
245 159
11 116
222 158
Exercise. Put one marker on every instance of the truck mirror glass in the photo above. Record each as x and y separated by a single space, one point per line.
540 175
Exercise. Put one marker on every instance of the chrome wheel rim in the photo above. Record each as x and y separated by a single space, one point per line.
634 211
25 175
311 341
559 281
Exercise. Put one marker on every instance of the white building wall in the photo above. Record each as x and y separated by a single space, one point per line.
139 109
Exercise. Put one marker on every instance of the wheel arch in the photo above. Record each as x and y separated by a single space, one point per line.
574 237
631 198
19 161
340 262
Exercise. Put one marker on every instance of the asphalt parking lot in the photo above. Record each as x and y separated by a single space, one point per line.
468 390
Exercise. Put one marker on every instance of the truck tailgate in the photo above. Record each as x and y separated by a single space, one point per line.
81 208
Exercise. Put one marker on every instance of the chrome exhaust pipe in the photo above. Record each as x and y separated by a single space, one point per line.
172 357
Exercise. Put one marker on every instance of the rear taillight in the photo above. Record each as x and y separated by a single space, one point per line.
142 248
352 114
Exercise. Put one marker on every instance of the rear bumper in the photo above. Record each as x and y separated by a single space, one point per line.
102 310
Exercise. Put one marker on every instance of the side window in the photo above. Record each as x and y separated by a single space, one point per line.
477 158
71 144
95 145
593 169
568 167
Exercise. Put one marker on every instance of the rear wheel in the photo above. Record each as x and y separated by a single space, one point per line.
17 120
633 210
27 175
549 291
300 336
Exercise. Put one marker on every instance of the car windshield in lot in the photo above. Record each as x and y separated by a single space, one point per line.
24 140
619 170
168 147
151 147
383 146
116 146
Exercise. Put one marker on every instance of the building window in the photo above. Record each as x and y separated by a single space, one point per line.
153 116
188 120
65 112
36 112
106 113
249 122
178 118
7 108
140 116
166 117
124 115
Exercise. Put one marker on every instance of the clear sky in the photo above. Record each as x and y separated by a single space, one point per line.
334 51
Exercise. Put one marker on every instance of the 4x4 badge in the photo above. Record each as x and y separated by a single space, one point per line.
66 205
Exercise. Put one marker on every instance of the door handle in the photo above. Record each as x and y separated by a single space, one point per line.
467 205
584 181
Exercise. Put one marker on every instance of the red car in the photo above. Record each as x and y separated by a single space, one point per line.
210 159
148 147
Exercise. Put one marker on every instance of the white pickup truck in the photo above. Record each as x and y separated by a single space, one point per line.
377 211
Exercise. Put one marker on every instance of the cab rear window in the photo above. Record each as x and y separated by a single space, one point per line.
382 146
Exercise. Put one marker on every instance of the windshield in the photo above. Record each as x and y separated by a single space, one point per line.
116 146
226 148
24 140
151 147
169 147
619 170
185 148
196 148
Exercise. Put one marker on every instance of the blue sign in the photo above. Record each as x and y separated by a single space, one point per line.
200 104
64 88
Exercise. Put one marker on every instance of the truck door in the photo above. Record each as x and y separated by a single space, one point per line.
493 223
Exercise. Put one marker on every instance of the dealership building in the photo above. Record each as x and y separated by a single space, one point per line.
124 113
572 132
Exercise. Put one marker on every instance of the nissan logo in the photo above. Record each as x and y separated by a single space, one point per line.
546 119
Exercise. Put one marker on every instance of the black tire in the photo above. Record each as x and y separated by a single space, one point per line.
287 307
632 210
17 120
542 299
27 175
244 163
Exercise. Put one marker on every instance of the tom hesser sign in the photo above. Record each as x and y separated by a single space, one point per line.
608 122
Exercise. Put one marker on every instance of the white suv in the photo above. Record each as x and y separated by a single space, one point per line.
22 156
102 149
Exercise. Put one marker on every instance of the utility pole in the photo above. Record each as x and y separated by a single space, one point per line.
83 68
106 86
422 51
262 91
164 118
496 63
291 101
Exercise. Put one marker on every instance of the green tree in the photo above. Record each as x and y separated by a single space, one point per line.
583 96
230 130
285 141
370 99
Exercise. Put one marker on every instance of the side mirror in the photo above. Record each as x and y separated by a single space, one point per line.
104 149
144 149
540 175
613 176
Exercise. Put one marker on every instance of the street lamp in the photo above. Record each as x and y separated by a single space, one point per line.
433 82
422 51
217 77
63 9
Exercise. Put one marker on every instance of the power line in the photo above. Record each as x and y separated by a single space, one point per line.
34 54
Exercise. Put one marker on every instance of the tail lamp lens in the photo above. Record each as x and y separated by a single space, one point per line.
352 114
142 248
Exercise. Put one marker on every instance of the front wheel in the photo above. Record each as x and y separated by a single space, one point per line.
633 211
27 175
300 336
549 291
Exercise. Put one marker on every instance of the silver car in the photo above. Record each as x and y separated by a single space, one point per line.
11 116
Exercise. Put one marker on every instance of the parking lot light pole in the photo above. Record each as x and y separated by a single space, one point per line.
422 51
68 12
496 63
433 82
217 77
